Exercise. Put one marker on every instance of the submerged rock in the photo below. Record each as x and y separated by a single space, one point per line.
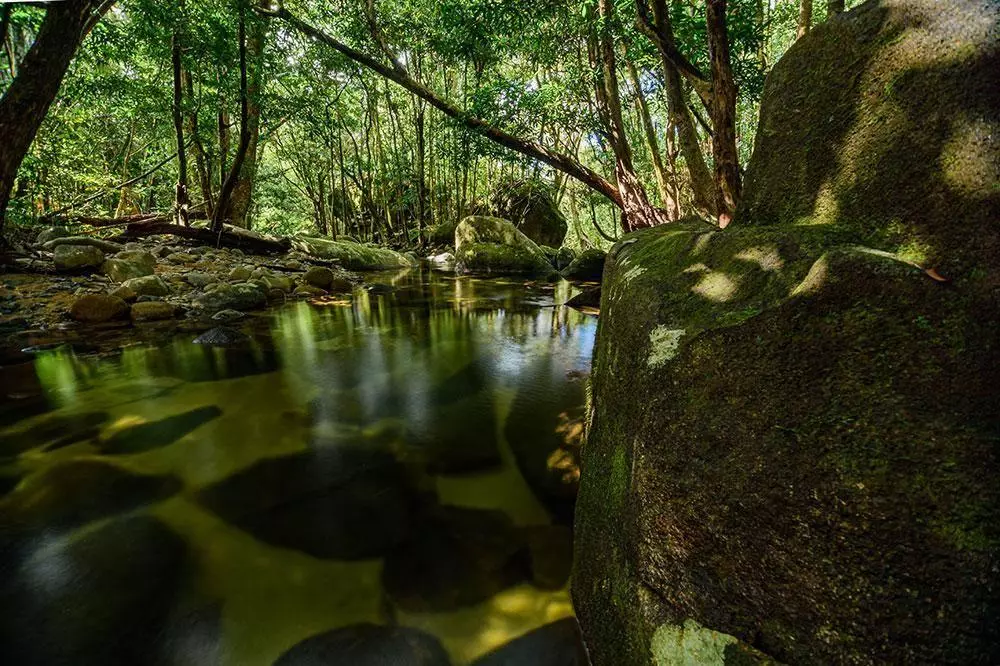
793 439
102 598
555 644
345 503
455 557
222 336
157 434
76 257
96 308
367 645
588 266
54 431
75 492
492 245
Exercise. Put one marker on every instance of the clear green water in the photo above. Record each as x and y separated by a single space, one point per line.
387 459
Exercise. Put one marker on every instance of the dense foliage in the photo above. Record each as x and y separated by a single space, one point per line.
337 148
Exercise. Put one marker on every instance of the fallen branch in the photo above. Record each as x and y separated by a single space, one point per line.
123 221
229 237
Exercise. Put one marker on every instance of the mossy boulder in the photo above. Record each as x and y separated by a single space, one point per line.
791 453
76 257
96 308
129 264
532 207
885 123
441 234
491 245
351 255
587 266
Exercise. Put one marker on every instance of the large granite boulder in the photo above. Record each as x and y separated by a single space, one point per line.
491 245
792 446
352 256
532 207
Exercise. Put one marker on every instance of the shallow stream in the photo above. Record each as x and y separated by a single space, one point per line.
402 458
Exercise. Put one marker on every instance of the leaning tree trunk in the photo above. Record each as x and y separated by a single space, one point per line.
31 93
637 212
642 110
202 163
723 111
657 26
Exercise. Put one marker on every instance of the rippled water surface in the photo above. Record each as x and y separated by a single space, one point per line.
397 459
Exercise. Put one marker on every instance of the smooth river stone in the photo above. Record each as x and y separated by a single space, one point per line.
367 645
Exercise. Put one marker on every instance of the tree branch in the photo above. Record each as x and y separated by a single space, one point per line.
399 75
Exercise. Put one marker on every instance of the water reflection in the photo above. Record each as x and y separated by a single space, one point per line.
383 460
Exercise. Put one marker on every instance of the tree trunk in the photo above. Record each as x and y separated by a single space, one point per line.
642 109
658 28
25 103
637 212
181 200
805 18
202 163
723 111
239 206
226 192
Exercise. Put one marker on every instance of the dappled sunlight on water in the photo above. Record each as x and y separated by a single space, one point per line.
307 482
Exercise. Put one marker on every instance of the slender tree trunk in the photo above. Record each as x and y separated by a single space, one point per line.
202 163
226 192
658 28
834 7
642 110
181 201
805 18
239 206
25 103
4 33
723 111
637 212
223 131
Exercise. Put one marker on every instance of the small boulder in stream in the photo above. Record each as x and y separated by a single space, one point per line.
77 257
588 266
97 308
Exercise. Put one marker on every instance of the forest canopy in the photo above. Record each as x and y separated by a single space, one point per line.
384 119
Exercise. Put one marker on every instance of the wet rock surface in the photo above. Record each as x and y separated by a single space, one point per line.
556 644
367 645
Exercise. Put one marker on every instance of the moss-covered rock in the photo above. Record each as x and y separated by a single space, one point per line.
491 245
531 206
351 255
885 123
791 453
587 266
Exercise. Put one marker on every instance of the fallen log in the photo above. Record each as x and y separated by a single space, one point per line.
92 221
230 237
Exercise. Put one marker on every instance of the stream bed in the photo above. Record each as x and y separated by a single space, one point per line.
387 478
